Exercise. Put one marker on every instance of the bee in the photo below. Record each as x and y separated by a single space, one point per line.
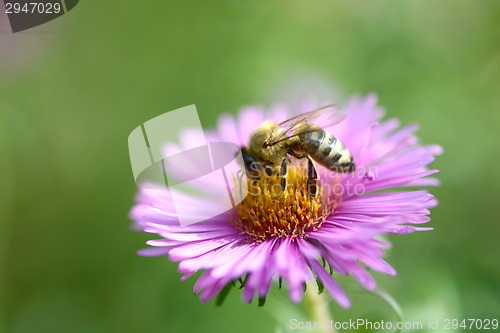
301 137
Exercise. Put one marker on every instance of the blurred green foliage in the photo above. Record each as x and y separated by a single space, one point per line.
72 90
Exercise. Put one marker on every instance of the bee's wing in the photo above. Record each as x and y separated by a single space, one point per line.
323 117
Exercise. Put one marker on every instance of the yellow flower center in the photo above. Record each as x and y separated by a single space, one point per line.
268 212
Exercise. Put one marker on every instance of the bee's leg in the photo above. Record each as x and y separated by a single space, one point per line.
268 170
283 174
312 179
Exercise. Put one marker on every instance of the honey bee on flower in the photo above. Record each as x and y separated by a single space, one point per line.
308 230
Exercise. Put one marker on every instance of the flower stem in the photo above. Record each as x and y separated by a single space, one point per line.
317 306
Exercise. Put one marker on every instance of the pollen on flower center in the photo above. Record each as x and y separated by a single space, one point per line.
268 212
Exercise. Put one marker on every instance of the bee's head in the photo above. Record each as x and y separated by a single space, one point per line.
261 137
262 146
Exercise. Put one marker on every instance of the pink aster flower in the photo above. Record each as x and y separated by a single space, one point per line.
294 238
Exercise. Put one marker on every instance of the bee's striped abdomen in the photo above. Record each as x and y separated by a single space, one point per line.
325 149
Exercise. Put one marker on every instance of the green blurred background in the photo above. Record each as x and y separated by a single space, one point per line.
72 90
